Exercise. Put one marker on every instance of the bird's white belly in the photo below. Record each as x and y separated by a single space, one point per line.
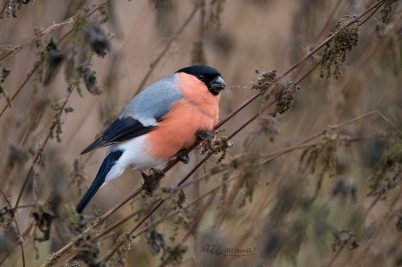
133 155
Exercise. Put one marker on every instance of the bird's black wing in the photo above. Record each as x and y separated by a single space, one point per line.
119 131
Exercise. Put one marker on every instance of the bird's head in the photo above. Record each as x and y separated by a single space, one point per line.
208 75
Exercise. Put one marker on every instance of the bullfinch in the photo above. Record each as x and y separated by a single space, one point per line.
159 123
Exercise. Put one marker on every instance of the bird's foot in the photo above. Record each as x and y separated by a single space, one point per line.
183 156
152 181
205 135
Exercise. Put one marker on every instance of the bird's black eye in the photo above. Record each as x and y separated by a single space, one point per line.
201 77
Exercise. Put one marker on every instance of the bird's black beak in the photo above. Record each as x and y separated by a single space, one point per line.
217 85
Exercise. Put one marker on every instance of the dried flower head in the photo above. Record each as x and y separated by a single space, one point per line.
18 156
265 80
89 76
344 239
388 171
97 40
335 52
386 9
214 147
43 220
6 218
88 250
54 58
284 93
324 155
156 242
4 73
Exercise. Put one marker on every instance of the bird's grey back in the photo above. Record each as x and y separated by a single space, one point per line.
154 102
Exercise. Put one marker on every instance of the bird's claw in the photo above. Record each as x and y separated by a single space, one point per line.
183 156
205 135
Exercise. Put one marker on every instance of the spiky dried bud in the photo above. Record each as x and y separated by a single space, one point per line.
6 217
214 147
399 221
156 241
90 80
264 81
88 250
17 156
344 239
335 52
54 58
43 220
284 93
4 73
98 40
386 9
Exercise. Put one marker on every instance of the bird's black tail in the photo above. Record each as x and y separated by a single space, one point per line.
107 164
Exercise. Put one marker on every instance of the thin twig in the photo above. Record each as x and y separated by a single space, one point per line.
17 227
276 154
48 30
109 255
19 47
247 102
42 60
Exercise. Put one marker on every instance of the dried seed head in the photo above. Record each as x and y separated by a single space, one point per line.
43 220
6 218
98 40
90 80
386 9
284 93
17 156
156 241
335 52
264 81
4 73
54 58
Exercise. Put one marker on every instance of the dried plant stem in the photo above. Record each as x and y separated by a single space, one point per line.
334 257
302 144
48 30
338 4
247 102
307 73
157 205
255 96
163 52
324 28
356 19
372 13
194 224
22 86
17 228
186 207
98 6
121 221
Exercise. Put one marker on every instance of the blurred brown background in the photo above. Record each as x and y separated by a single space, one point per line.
282 224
